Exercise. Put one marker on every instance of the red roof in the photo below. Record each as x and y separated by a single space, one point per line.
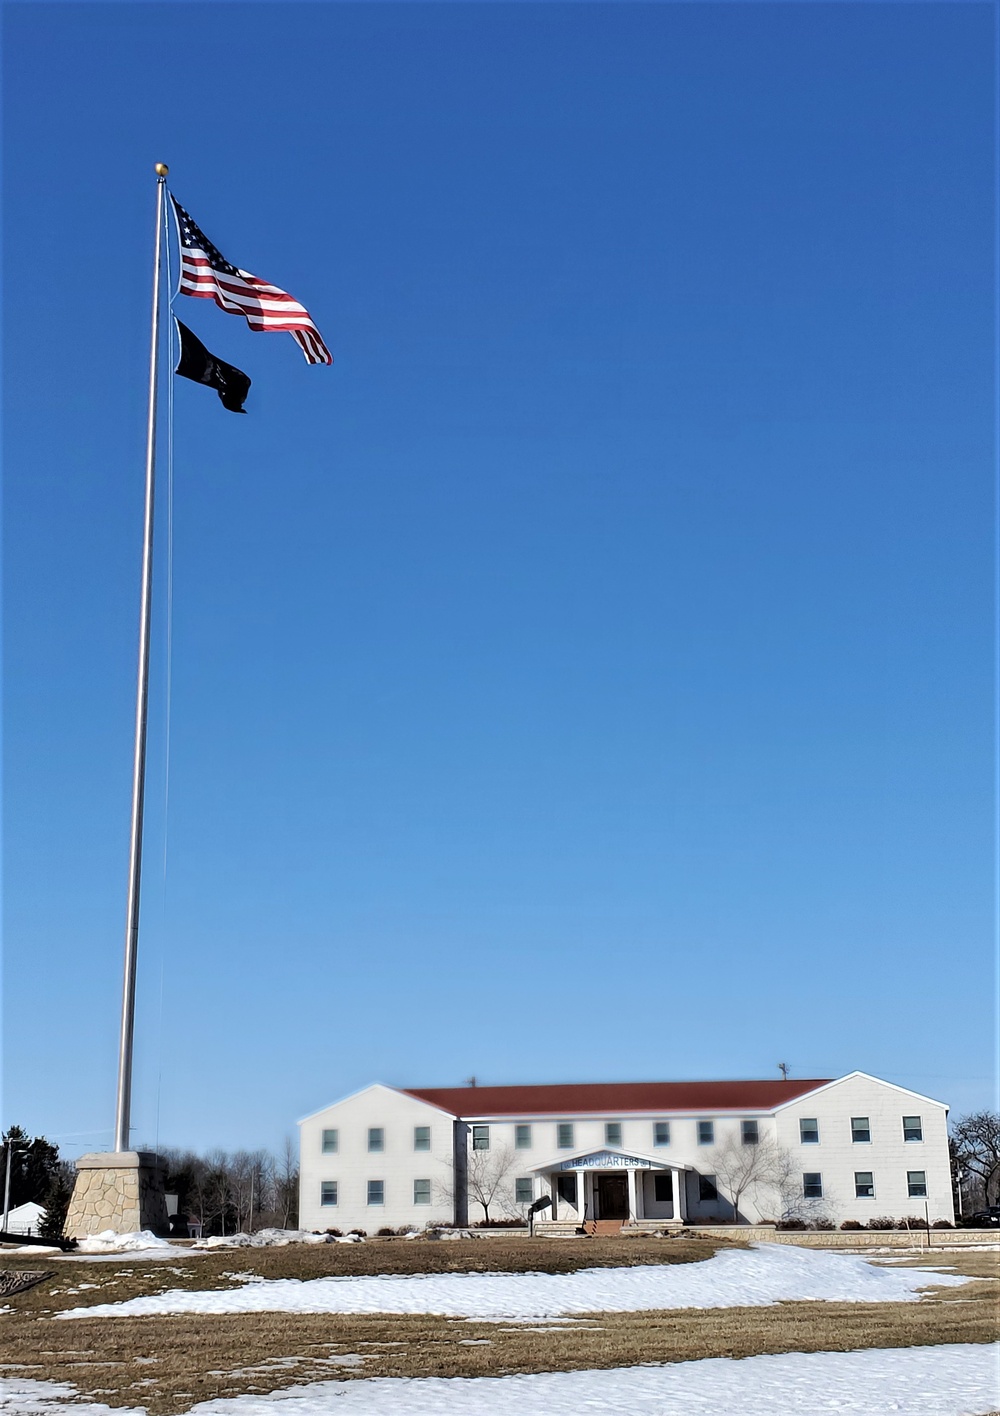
612 1098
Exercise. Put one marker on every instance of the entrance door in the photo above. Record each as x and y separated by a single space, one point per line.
612 1197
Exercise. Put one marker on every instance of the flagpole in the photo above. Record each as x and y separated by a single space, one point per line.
124 1104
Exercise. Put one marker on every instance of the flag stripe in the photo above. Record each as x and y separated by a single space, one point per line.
267 307
196 268
207 275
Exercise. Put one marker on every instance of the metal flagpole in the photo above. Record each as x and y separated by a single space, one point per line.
124 1107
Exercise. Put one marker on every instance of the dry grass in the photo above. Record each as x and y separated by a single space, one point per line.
167 1364
377 1256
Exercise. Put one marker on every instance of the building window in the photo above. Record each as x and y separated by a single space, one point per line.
421 1138
522 1138
861 1131
523 1190
480 1138
809 1131
421 1192
566 1189
864 1185
663 1188
706 1133
661 1133
916 1184
613 1133
328 1192
708 1190
331 1142
912 1129
376 1192
751 1133
376 1138
564 1135
812 1185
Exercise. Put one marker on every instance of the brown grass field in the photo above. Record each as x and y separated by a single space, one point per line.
167 1364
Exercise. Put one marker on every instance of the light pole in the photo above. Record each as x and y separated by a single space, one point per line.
12 1151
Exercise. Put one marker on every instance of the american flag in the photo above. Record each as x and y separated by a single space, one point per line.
206 273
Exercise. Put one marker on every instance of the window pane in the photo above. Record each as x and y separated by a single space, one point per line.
751 1133
564 1135
912 1129
522 1137
376 1138
706 1133
421 1192
328 1192
860 1129
376 1192
421 1138
864 1185
613 1133
812 1185
661 1133
566 1188
480 1138
523 1191
330 1142
916 1184
809 1131
663 1188
707 1188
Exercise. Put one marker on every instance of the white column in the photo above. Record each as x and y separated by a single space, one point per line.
679 1206
632 1213
579 1194
640 1195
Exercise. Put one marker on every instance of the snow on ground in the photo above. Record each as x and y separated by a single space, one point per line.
269 1239
916 1381
29 1398
731 1278
110 1242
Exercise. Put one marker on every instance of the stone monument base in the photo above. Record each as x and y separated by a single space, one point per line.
120 1190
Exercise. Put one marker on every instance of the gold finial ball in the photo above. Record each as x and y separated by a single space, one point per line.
161 169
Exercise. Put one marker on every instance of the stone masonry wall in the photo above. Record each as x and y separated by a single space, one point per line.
121 1191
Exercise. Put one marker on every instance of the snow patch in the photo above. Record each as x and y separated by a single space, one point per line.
111 1242
21 1397
266 1239
959 1380
731 1278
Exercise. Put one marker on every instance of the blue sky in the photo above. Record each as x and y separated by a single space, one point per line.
590 676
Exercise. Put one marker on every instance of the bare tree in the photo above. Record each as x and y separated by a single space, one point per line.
239 1190
485 1181
286 1184
240 1169
977 1151
486 1176
218 1192
743 1169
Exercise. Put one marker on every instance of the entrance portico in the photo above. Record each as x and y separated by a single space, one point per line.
611 1184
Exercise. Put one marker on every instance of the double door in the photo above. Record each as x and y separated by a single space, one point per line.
612 1196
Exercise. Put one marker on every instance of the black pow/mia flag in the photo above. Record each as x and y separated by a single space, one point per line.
231 384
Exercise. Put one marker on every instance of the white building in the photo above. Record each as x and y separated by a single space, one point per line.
25 1219
628 1152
